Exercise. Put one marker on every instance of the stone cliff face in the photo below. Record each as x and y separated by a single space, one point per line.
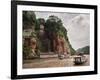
48 41
50 35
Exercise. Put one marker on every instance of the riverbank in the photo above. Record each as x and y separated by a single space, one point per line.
48 61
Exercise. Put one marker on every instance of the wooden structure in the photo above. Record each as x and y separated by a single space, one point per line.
80 59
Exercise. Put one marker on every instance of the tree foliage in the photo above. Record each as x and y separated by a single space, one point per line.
53 26
29 19
85 50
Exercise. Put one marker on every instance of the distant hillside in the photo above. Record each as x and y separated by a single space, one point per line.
85 50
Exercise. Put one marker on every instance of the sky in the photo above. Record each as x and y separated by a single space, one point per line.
77 25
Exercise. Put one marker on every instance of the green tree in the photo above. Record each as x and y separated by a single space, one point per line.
29 19
54 26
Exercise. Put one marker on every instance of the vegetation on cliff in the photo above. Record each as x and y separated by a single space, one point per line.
44 31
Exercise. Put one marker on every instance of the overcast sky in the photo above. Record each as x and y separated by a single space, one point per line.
78 26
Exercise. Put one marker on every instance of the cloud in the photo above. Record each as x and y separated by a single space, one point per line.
79 31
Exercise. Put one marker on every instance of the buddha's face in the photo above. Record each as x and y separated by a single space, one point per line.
33 43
